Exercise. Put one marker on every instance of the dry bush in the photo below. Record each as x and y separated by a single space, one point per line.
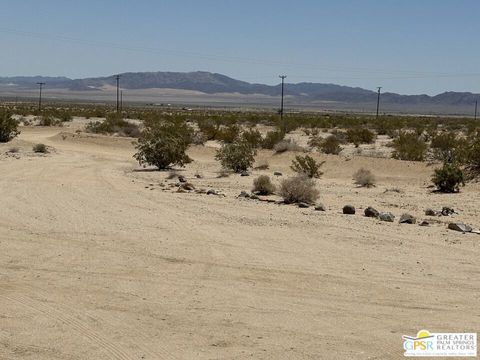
13 150
272 138
114 123
298 189
360 136
287 145
408 146
448 178
263 185
364 178
306 165
40 148
252 137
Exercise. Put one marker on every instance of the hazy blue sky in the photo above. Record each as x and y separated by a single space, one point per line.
406 46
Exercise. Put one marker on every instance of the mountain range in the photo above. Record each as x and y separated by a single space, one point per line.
213 83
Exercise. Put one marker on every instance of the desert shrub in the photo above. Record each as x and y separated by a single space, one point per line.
307 166
164 144
340 135
331 145
49 120
298 189
198 138
447 147
228 134
8 127
315 141
472 159
272 138
263 185
252 137
448 178
408 146
364 178
209 128
114 123
287 145
360 136
40 148
238 156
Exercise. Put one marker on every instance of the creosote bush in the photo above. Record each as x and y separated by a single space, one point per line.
40 148
287 145
164 144
306 165
360 136
364 178
331 145
252 137
238 156
8 127
272 138
448 178
113 123
408 146
298 189
263 185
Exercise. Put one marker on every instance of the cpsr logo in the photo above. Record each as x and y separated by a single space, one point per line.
440 344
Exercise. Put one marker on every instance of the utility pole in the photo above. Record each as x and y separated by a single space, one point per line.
117 77
378 99
40 84
121 100
476 104
281 104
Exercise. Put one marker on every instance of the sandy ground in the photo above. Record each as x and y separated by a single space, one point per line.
97 261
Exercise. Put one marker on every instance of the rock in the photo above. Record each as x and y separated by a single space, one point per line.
303 205
424 223
320 207
446 211
201 191
349 209
460 227
431 212
181 190
187 186
244 194
371 212
254 197
244 173
407 219
212 192
386 216
277 173
182 179
280 202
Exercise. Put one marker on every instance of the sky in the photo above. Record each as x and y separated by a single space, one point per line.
405 46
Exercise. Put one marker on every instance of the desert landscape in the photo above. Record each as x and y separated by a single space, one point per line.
102 258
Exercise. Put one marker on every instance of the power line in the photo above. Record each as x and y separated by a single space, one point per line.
40 84
378 99
283 77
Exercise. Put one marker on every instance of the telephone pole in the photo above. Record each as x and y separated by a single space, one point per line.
40 84
476 104
117 77
121 100
378 99
281 104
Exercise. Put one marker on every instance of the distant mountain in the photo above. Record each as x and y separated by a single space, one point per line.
212 83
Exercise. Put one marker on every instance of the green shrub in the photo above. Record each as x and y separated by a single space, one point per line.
252 137
114 123
228 134
8 127
447 147
164 144
408 146
306 165
238 156
209 128
263 185
448 178
472 161
40 148
272 138
360 136
331 145
298 189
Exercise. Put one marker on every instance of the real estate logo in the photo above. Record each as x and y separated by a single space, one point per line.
440 344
